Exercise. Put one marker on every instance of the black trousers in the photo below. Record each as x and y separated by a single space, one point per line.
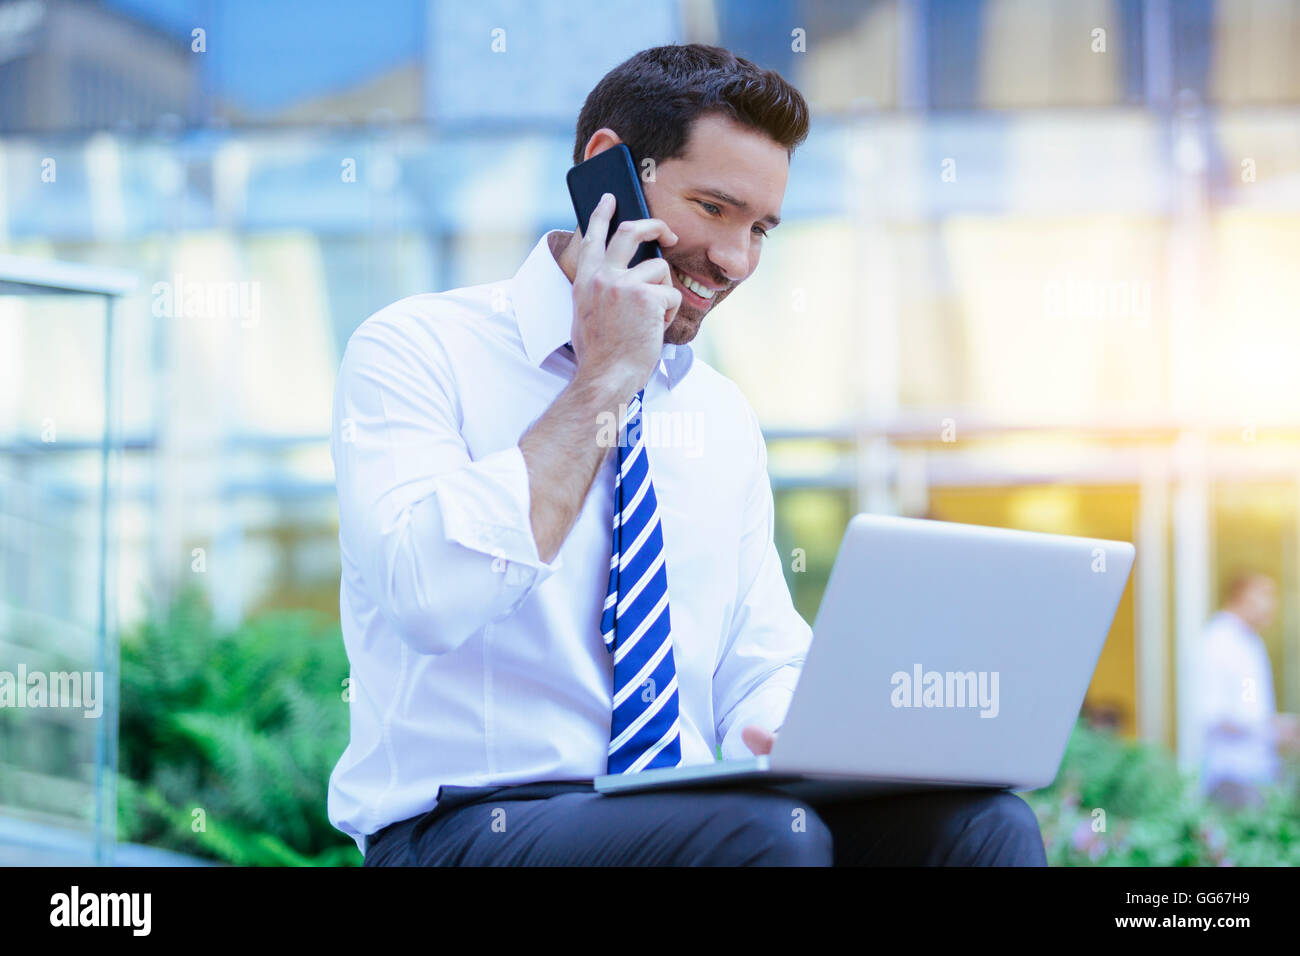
566 823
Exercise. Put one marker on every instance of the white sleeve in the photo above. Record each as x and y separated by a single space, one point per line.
443 542
764 653
1217 681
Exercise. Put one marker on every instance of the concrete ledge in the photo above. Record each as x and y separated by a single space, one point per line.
24 843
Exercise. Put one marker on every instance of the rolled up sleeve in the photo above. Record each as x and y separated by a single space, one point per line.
764 653
442 541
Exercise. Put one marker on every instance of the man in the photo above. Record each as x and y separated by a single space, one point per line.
1239 724
510 637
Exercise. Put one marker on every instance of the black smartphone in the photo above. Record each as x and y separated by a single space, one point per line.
611 171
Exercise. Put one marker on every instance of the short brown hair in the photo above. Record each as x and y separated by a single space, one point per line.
652 98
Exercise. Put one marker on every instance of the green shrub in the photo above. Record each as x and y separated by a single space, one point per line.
227 740
1152 815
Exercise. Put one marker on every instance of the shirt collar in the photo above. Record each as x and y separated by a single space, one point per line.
542 296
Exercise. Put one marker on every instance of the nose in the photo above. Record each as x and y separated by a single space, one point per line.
731 257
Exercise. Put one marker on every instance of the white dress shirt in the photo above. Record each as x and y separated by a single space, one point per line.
1236 686
475 663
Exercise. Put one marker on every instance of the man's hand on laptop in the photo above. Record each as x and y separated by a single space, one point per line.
757 739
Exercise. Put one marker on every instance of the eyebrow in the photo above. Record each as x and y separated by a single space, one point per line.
771 219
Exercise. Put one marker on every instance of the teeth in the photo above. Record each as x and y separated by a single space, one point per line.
704 292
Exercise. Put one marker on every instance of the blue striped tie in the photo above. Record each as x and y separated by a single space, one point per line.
645 731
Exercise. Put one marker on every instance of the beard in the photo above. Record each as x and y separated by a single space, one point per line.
686 323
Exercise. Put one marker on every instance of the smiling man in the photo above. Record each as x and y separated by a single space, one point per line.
527 604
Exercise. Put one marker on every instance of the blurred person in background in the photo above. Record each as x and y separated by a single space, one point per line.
1241 730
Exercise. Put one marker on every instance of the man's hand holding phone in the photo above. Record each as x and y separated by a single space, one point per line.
619 317
620 314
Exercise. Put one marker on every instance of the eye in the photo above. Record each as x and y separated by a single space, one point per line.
710 208
761 231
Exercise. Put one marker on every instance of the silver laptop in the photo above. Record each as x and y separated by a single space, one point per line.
943 655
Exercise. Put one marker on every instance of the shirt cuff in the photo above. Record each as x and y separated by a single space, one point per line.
486 507
766 708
